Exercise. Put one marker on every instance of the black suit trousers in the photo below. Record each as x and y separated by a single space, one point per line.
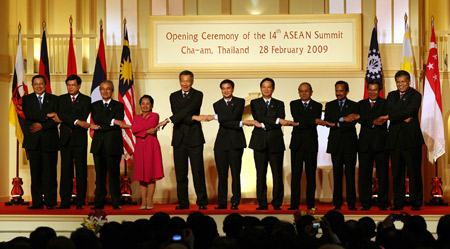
181 155
229 159
262 158
69 156
411 158
298 157
366 161
344 162
106 164
43 176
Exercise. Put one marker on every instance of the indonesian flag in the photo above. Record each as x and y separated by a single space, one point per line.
407 63
71 62
431 120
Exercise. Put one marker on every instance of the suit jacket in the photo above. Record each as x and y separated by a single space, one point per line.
408 135
68 113
230 134
306 132
183 126
370 135
47 138
272 136
108 136
342 137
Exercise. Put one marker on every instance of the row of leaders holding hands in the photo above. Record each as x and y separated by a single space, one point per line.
402 142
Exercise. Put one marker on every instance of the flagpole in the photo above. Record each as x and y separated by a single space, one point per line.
17 190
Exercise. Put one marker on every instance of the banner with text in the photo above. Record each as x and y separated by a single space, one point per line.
262 43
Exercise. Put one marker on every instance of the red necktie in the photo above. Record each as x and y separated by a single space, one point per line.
228 102
401 95
371 104
73 99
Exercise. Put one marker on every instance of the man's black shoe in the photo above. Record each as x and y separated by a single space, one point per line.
337 208
94 208
202 207
262 207
415 208
36 207
63 207
352 207
396 208
80 206
117 207
292 208
315 208
276 207
221 207
365 208
234 206
181 207
383 208
50 207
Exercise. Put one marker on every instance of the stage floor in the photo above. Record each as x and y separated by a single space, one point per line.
19 221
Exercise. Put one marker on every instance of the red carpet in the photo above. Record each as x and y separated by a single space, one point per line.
243 209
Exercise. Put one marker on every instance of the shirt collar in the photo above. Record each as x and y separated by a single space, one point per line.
265 100
227 100
74 96
42 95
106 102
183 92
307 102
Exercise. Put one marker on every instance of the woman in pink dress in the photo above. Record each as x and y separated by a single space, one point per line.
148 166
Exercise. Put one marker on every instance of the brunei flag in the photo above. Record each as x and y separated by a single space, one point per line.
126 95
19 89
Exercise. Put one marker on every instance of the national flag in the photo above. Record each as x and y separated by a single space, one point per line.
431 120
374 72
126 95
19 89
99 74
44 68
407 63
71 61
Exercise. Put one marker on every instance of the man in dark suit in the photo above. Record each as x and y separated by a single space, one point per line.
372 141
304 145
41 143
404 141
341 115
268 144
73 111
230 143
188 140
107 145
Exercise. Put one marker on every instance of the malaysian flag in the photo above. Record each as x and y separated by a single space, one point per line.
126 95
374 69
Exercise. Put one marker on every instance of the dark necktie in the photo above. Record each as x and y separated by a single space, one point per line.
73 99
184 95
40 102
305 105
341 104
228 102
106 105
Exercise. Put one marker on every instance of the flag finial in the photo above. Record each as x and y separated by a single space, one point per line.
406 17
20 26
125 21
375 20
43 24
432 18
70 20
101 23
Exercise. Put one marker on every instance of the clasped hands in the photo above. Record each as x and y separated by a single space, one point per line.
382 119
